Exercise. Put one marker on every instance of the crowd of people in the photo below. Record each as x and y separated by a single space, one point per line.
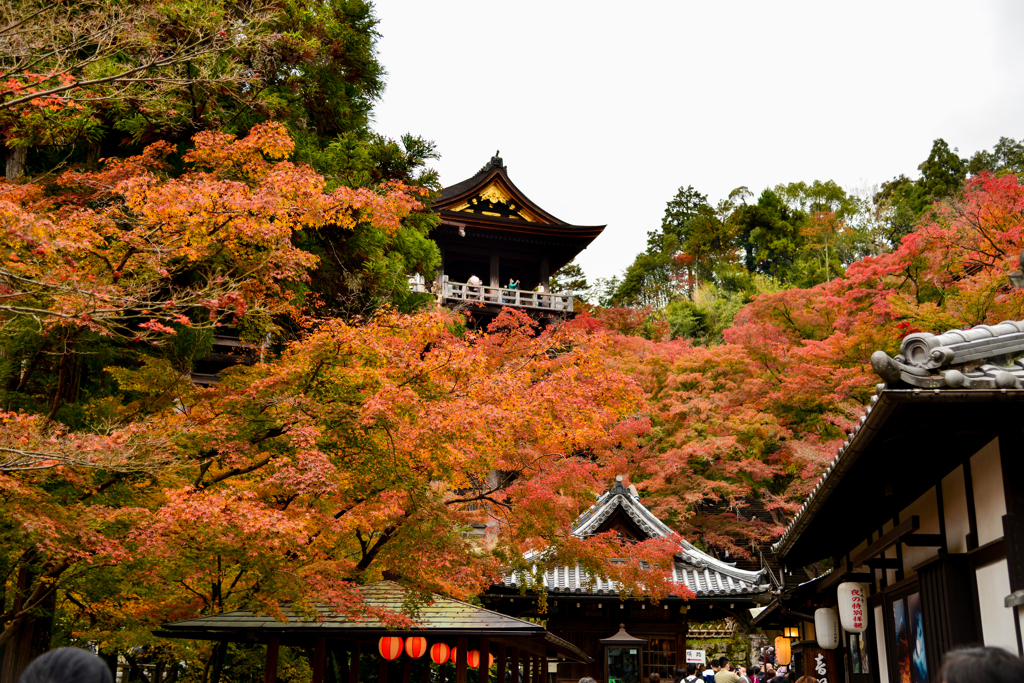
968 665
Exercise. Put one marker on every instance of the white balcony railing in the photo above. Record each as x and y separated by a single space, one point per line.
501 296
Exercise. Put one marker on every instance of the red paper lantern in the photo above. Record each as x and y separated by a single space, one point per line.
439 653
415 646
472 658
390 647
490 661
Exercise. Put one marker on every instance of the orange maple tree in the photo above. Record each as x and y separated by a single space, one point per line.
120 264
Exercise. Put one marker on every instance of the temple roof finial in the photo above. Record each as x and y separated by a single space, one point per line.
495 162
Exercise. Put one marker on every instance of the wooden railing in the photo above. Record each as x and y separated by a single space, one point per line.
501 296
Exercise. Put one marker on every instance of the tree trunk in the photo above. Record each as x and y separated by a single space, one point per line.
33 636
92 155
16 162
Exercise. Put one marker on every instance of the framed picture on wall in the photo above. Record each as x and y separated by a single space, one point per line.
905 628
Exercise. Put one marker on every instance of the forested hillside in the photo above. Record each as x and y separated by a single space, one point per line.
750 324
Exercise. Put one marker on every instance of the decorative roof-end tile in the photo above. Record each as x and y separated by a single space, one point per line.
968 359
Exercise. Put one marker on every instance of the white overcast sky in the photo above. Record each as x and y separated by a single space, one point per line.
602 110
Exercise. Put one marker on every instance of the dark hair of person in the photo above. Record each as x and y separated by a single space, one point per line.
779 679
655 677
981 665
755 669
691 669
67 665
722 661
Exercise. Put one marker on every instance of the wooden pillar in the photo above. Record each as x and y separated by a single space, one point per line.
319 650
545 275
681 640
426 669
538 676
461 647
485 650
495 273
513 656
499 673
353 665
1011 456
270 672
382 672
440 267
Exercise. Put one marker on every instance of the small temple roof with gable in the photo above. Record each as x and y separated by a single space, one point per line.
704 575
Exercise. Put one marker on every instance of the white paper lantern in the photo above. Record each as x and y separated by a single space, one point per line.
853 607
826 627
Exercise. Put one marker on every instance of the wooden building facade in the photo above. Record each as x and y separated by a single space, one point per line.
491 230
587 611
924 506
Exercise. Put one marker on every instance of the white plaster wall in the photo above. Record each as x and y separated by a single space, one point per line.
989 501
954 501
890 574
1020 615
883 659
860 546
927 508
997 626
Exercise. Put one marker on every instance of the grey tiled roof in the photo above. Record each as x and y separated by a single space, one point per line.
442 614
703 574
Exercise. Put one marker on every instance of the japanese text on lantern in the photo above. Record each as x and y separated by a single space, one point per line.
819 668
857 598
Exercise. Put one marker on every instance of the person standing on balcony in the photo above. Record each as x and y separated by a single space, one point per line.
474 283
513 284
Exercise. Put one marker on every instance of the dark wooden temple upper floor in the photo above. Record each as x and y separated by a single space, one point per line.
492 232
